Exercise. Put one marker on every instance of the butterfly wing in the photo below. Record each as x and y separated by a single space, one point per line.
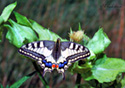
71 52
40 51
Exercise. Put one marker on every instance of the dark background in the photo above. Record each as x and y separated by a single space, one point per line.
59 16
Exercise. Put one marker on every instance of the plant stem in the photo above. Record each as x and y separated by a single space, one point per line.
40 75
78 80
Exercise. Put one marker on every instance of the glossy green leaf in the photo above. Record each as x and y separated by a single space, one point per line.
45 34
99 42
17 34
22 19
106 69
21 81
7 11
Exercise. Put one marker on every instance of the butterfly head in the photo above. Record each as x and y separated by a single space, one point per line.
58 41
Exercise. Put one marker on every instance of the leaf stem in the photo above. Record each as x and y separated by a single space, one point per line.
40 75
78 80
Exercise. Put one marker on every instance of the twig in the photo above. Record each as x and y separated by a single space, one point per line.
78 80
40 75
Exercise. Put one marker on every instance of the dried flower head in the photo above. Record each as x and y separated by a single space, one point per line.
76 36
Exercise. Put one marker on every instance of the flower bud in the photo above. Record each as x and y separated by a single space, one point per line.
76 36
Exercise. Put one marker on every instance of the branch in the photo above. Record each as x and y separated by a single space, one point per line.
40 75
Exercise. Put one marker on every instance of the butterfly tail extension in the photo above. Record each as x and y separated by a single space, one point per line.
46 70
63 76
62 72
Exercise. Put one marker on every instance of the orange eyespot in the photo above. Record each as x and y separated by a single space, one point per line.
53 65
57 66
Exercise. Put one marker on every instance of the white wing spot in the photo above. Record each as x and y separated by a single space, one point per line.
76 46
31 49
71 46
35 44
43 65
38 50
81 47
20 50
86 49
65 67
41 44
75 51
40 62
35 50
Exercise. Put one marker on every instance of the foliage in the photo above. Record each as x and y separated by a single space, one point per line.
97 67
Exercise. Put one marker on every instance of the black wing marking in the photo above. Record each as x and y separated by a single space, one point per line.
71 52
39 51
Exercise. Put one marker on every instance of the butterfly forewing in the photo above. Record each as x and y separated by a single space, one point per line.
72 52
40 51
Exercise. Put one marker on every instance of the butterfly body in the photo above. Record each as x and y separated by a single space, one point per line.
52 55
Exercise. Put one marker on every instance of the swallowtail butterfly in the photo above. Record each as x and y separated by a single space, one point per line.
52 55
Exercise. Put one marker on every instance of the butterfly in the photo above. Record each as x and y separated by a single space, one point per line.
52 55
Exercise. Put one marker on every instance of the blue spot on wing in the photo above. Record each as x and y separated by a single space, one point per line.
47 64
65 62
50 64
44 61
61 65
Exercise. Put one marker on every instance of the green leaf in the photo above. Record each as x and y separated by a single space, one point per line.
44 34
87 76
22 19
80 27
71 31
7 11
1 86
7 86
123 82
17 34
1 20
81 69
22 80
92 56
1 31
99 42
106 69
